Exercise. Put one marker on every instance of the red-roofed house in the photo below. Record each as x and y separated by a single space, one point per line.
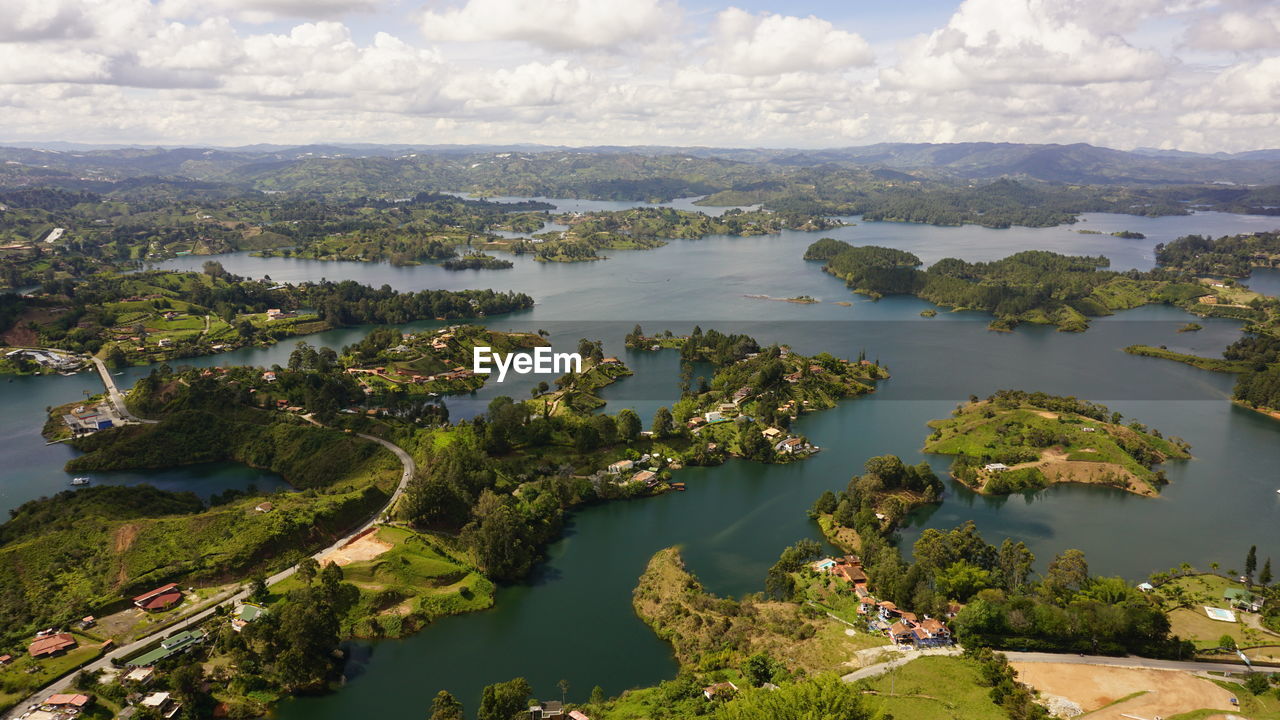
51 645
162 598
69 700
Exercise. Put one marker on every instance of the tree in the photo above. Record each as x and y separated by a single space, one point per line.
1015 562
1251 561
1068 572
825 504
501 701
822 697
308 568
446 707
961 580
663 423
1256 683
1227 642
258 588
597 692
758 669
1264 577
628 425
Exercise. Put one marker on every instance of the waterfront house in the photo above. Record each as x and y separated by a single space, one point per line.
771 433
549 710
269 376
162 598
621 466
51 645
648 477
264 507
790 446
1242 599
719 689
995 467
578 715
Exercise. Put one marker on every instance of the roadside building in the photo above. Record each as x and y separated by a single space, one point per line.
162 598
246 613
141 675
51 645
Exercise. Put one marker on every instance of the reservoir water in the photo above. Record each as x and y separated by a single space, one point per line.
574 620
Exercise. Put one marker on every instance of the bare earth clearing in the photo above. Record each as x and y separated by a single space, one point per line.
1167 692
1058 469
364 548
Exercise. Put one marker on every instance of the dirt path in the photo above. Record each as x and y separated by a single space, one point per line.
366 547
1164 692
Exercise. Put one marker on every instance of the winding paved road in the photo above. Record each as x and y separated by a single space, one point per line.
408 469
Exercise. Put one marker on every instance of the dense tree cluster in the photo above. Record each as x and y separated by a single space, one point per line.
1229 255
1259 389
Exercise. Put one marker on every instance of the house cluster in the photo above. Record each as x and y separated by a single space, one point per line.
554 710
639 472
47 358
85 419
903 628
60 706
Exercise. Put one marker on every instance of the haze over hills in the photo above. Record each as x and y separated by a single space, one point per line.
1075 163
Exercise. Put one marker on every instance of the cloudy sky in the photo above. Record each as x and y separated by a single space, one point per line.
1200 75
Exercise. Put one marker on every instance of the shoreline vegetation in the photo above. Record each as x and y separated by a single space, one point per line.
1016 441
157 316
587 233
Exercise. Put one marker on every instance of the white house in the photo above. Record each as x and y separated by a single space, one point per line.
995 467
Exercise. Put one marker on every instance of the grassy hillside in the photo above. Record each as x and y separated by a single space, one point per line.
73 554
1044 440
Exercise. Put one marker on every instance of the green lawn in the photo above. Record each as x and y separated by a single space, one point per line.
934 687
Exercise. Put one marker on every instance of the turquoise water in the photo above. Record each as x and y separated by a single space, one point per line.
574 620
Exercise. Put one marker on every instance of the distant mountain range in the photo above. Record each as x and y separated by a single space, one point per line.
266 166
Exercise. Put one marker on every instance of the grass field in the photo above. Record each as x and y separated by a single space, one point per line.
406 579
933 687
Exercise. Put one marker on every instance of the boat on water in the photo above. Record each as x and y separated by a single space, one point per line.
82 480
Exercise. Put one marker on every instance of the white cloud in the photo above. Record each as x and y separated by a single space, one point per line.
553 24
1239 30
996 42
1015 70
769 44
263 11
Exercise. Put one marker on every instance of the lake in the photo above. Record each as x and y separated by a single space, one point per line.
574 620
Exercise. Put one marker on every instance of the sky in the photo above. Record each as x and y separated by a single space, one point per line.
1198 75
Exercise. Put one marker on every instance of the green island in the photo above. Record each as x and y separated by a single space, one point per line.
1033 286
1016 441
646 228
476 261
428 227
155 316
